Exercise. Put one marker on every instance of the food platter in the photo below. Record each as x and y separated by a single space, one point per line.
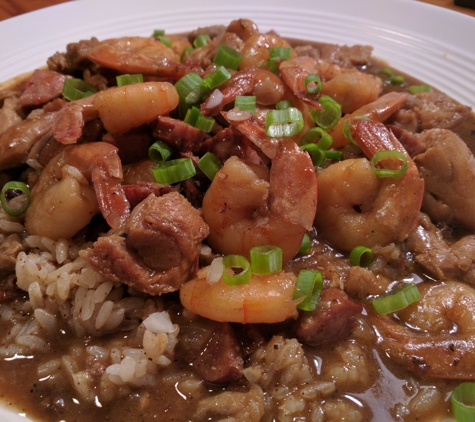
413 37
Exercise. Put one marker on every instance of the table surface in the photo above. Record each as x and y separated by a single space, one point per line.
10 8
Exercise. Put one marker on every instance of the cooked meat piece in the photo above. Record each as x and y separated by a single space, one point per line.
161 247
178 134
10 247
213 31
43 86
137 192
133 145
74 58
331 321
346 56
8 113
220 361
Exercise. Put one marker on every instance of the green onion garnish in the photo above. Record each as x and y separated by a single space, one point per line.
385 72
227 57
347 128
165 40
287 122
316 154
313 84
184 53
75 89
309 285
281 105
201 40
236 270
397 80
266 259
129 79
271 66
398 299
361 256
463 402
217 77
380 156
334 155
196 119
190 88
246 103
414 89
209 164
159 151
280 53
15 187
173 171
317 135
306 245
158 33
329 116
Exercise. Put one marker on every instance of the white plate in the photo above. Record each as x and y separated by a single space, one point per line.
428 42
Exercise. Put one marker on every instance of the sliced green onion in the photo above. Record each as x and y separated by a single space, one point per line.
15 186
228 57
129 79
309 285
209 164
281 105
271 65
306 245
313 84
280 53
196 119
414 89
463 402
173 171
329 116
334 155
184 53
75 89
347 128
387 172
398 299
317 135
201 40
159 151
165 40
361 256
190 88
236 270
287 122
246 102
158 33
266 259
397 80
385 72
316 154
217 77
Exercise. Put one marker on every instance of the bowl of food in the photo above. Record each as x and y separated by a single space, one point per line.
235 213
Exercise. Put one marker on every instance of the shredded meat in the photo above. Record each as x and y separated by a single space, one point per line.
10 247
160 249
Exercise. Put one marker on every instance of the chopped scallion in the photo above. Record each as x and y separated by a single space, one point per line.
347 126
159 151
280 53
190 88
158 33
287 122
361 256
14 189
266 259
75 89
209 164
334 155
129 79
397 80
165 40
184 53
313 84
309 286
306 245
173 171
385 72
228 57
463 402
415 89
329 116
398 299
236 270
380 156
196 119
281 105
317 135
246 103
271 65
217 77
201 40
316 154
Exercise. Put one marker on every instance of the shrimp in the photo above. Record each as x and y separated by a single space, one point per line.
144 55
265 299
448 168
255 51
441 343
378 110
119 108
63 200
355 207
246 205
265 85
243 28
